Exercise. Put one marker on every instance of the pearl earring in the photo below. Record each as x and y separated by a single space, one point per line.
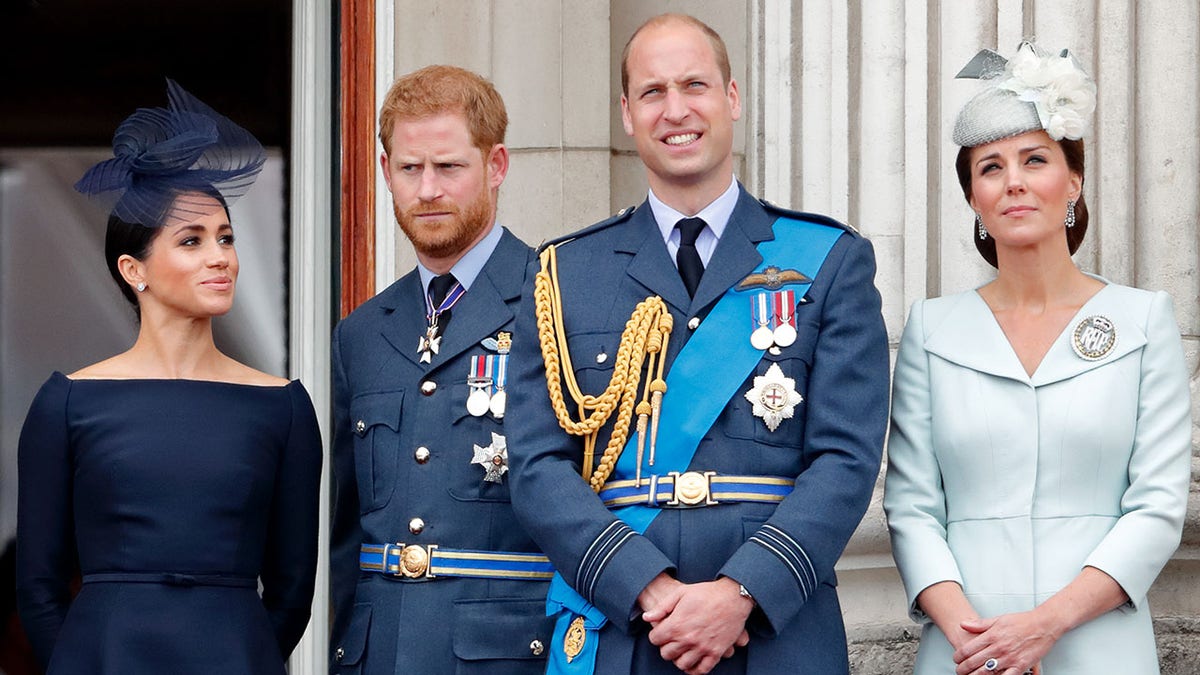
141 286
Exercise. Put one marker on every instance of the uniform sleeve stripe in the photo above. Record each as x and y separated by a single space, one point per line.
788 557
583 563
598 554
796 573
795 546
604 563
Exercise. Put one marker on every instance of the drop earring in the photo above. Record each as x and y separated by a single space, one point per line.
980 227
1070 219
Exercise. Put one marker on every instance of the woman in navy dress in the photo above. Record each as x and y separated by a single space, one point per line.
173 478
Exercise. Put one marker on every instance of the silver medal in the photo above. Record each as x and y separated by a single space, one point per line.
785 335
478 401
496 405
762 338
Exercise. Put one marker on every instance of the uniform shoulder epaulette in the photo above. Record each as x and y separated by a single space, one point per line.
617 217
806 216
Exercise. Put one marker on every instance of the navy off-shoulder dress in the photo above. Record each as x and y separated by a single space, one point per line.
174 499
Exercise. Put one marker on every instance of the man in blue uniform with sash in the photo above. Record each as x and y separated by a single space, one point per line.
431 571
698 430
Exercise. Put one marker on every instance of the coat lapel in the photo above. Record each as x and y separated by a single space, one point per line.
1063 363
736 254
734 257
484 310
403 322
968 335
480 312
652 266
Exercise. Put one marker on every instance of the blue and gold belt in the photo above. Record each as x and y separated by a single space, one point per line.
693 489
417 562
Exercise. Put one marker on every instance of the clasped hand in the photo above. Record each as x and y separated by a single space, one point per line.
1016 641
695 625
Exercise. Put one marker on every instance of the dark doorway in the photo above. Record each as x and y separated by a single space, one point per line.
73 69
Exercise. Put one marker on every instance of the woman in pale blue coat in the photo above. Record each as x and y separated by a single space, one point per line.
1039 455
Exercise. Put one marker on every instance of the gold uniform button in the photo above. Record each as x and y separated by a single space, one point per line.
421 455
360 426
339 654
428 387
416 526
536 647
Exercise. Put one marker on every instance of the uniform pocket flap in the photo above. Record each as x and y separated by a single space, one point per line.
368 410
597 351
501 629
354 642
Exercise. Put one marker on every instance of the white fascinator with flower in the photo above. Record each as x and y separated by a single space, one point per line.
1029 92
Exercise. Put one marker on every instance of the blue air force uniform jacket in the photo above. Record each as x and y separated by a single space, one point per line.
402 449
783 553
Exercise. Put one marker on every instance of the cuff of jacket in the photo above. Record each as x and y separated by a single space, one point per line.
628 571
775 569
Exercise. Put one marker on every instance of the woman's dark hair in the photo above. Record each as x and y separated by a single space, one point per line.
1073 150
122 238
134 239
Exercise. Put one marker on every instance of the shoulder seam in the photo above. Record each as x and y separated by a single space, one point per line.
618 217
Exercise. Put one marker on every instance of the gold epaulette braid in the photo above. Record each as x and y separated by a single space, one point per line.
642 343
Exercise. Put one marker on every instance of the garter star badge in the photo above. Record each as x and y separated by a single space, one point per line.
1094 337
493 459
774 397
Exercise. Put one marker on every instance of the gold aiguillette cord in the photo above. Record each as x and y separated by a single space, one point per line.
643 341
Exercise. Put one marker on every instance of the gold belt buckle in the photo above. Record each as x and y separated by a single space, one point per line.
414 562
691 488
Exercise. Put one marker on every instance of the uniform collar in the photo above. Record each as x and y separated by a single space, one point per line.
715 215
468 267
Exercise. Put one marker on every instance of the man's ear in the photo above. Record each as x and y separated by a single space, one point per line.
497 165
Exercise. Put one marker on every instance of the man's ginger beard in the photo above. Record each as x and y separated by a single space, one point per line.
454 233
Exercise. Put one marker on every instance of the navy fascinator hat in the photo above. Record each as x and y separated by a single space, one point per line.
160 154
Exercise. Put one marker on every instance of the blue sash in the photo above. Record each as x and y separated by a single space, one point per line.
707 384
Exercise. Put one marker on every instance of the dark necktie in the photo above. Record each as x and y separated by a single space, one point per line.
439 287
688 258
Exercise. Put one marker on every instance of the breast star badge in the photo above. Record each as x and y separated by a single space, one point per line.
774 397
493 458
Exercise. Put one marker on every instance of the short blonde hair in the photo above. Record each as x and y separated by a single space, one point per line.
434 90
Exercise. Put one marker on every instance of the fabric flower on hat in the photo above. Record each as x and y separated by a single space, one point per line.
1064 96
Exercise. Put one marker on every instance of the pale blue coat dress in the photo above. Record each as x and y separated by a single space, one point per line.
1010 484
